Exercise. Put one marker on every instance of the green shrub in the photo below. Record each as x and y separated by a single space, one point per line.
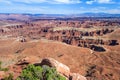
40 73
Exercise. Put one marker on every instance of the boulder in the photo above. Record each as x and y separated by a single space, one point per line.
61 68
76 76
23 61
2 74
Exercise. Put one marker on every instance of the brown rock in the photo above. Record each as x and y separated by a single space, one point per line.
2 74
61 68
23 61
76 76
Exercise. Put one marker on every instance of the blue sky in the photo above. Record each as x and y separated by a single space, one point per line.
59 6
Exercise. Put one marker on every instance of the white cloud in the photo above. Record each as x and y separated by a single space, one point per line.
29 1
62 1
99 1
101 10
67 1
89 2
5 1
41 1
104 1
113 11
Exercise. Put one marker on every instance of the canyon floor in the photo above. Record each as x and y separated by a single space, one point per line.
92 64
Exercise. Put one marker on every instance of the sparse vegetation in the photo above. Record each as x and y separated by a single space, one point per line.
40 73
10 77
3 69
32 72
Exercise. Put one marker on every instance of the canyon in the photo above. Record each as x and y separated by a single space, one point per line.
88 46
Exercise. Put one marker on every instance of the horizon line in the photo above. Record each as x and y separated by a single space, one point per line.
62 14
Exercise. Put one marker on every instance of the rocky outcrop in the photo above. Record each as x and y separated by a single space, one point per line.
62 69
71 36
97 48
42 28
23 61
76 76
22 39
2 74
1 30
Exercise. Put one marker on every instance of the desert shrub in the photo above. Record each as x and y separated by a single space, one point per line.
32 72
3 69
0 64
51 74
10 77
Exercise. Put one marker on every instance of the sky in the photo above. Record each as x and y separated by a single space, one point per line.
60 6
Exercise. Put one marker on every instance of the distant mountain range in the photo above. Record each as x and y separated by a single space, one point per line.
77 15
60 15
98 15
11 16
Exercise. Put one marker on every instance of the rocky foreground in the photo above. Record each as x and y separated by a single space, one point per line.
61 69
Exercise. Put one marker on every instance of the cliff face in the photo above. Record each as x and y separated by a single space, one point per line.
71 36
74 37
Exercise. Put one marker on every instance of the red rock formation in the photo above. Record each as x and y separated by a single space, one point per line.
62 69
44 29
